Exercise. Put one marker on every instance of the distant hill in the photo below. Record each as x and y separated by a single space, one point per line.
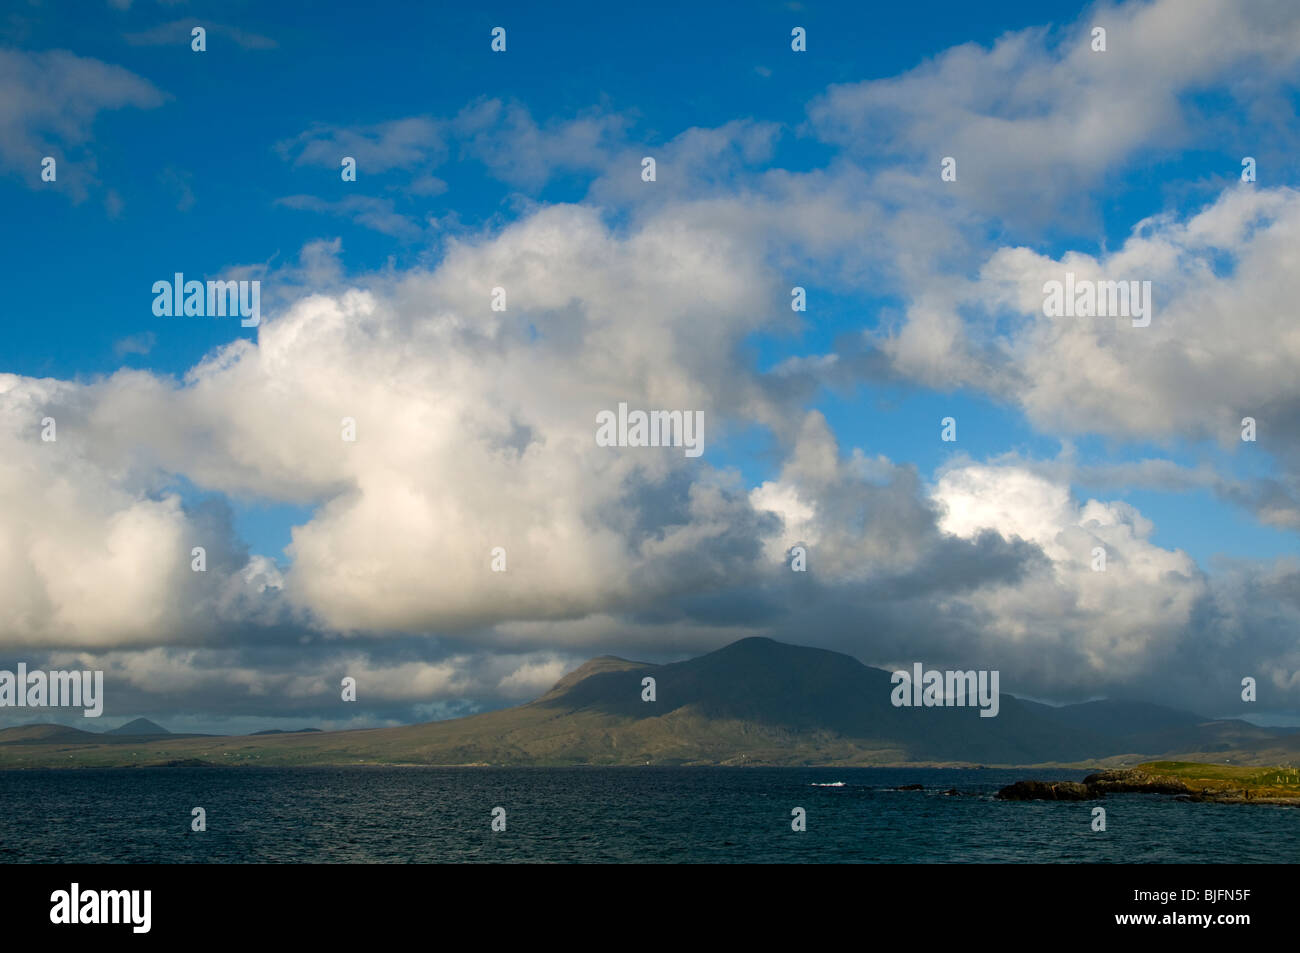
282 731
138 728
47 734
755 701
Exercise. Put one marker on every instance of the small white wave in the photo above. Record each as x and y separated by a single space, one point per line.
829 784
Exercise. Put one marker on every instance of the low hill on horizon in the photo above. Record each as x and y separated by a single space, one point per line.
756 702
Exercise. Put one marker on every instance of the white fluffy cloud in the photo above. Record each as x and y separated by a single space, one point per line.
465 443
1222 343
92 555
1039 117
1122 618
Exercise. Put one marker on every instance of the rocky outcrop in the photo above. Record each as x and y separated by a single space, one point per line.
1136 781
1046 791
1123 781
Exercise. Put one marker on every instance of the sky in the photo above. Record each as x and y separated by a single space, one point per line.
522 169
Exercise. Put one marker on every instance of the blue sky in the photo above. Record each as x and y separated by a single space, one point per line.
224 163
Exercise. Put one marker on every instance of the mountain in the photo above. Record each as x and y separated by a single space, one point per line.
755 701
139 728
761 700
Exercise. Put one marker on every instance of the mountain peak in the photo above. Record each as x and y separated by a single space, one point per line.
755 643
140 726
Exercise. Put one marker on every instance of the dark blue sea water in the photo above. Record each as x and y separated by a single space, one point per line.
675 815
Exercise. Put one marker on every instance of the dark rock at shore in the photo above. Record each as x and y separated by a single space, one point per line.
1098 785
1046 791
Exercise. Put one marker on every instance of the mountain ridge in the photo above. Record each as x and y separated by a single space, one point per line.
754 701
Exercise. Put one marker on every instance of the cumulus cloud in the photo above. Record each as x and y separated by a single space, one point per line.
94 555
464 443
475 427
1040 117
1113 615
1221 345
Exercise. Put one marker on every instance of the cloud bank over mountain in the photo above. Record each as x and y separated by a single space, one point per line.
475 427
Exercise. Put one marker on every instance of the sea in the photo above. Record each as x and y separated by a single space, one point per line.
647 814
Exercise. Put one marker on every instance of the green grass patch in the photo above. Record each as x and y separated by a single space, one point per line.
1271 781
